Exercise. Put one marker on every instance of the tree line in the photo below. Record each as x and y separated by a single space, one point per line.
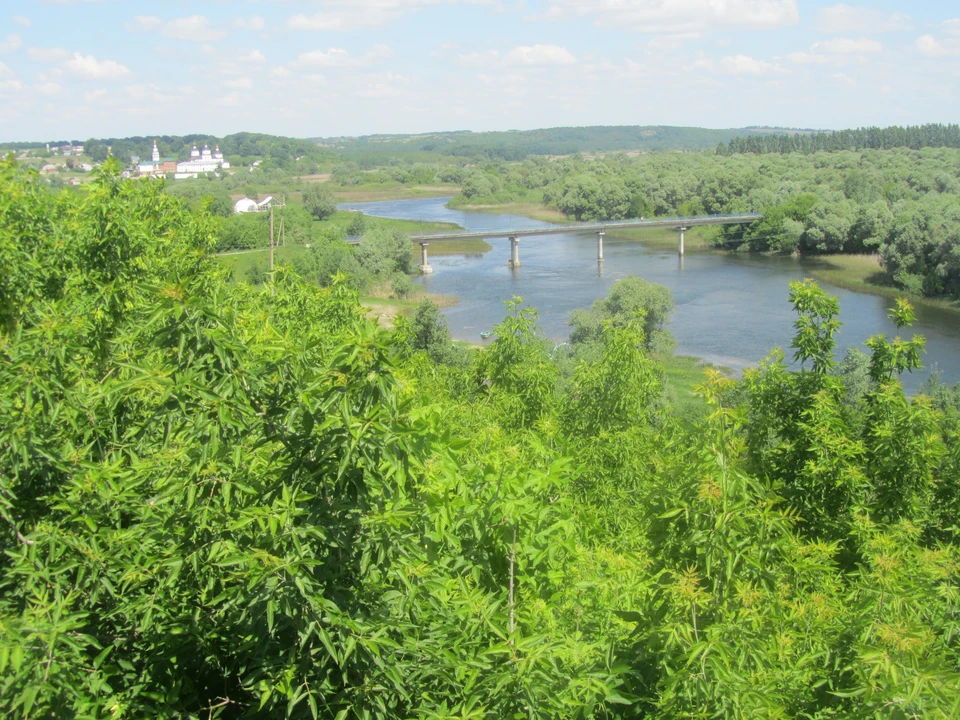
932 135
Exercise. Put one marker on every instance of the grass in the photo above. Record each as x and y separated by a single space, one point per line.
863 273
524 209
372 192
697 239
684 374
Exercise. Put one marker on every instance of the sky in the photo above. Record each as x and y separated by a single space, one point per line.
73 69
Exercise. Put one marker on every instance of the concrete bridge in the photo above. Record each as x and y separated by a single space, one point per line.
681 224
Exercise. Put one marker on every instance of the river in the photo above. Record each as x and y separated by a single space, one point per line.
731 309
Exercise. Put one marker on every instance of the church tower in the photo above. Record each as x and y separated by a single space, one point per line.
156 152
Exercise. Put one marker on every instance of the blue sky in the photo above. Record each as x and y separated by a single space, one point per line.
72 69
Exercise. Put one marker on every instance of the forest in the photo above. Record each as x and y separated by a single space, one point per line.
899 203
222 500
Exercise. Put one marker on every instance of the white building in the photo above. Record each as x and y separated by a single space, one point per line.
204 161
151 166
246 205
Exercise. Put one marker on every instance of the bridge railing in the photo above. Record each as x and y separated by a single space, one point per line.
680 221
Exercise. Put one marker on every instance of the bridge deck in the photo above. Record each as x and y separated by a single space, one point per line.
676 222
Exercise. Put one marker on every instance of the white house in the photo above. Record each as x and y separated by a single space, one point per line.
246 205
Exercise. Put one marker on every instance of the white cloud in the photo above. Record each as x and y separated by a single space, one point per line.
841 51
254 23
386 85
678 16
519 57
932 47
489 58
844 18
144 23
746 65
89 67
21 20
357 14
254 56
48 54
6 72
48 88
338 57
527 55
11 43
93 95
195 27
242 83
844 79
952 27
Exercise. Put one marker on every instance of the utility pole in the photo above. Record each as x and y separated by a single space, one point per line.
272 289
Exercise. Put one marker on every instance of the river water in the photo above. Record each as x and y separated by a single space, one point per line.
731 309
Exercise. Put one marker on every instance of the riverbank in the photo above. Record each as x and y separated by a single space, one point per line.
379 192
863 273
534 211
385 309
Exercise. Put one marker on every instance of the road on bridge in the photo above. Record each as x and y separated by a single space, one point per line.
680 223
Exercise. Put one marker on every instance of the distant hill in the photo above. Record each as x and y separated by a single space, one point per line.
517 144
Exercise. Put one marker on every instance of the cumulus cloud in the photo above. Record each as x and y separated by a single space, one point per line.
87 66
932 47
844 18
254 23
254 56
48 54
841 51
338 57
21 20
9 87
746 65
678 16
341 15
48 88
11 43
242 83
526 55
519 57
195 27
144 23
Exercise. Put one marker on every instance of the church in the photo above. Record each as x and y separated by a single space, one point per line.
199 162
203 161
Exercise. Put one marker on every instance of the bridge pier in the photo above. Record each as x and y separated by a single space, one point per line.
425 268
600 246
514 253
680 246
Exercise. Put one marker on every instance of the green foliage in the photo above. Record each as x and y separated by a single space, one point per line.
628 298
516 370
318 201
223 501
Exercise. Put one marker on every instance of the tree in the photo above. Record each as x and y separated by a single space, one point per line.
221 205
319 201
95 149
630 300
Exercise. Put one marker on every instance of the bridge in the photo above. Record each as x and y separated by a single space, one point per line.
681 224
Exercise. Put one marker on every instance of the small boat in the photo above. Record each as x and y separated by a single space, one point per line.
485 334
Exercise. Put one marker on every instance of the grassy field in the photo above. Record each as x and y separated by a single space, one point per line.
373 192
524 209
684 374
863 273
